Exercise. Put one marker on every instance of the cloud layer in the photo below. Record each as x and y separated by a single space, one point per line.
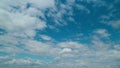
22 21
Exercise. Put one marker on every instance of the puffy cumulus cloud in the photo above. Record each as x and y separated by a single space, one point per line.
18 15
19 21
66 50
70 54
40 48
100 58
61 50
100 45
101 39
73 47
14 20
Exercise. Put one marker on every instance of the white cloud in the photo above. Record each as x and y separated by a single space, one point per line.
100 45
45 37
111 18
72 49
73 45
4 57
13 19
102 32
10 49
115 24
117 47
65 9
7 39
66 50
78 55
23 62
22 21
19 21
42 3
20 24
37 47
83 8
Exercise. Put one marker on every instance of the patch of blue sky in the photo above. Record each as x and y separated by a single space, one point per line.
2 31
4 53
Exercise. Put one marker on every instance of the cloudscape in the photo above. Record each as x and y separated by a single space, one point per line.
59 33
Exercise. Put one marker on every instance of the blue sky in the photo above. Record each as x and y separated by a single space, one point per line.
60 33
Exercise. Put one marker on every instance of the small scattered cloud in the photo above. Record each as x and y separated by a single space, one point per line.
115 24
45 37
102 32
66 50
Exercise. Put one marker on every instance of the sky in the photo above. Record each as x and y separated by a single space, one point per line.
60 33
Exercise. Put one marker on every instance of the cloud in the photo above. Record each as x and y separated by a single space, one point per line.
102 32
40 48
111 18
45 37
70 54
16 17
42 3
79 55
63 13
23 62
115 24
21 23
66 50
